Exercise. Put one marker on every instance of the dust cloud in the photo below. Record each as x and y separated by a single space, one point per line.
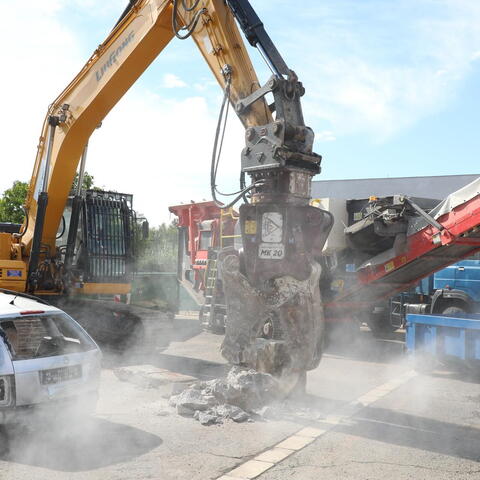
70 440
354 363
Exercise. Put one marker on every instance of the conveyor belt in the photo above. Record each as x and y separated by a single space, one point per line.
428 250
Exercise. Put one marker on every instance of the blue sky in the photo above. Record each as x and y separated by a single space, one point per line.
392 90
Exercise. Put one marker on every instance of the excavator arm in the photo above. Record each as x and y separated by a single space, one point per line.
275 276
138 38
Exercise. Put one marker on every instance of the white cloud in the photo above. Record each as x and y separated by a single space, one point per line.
163 156
205 85
172 81
95 7
42 57
376 68
325 136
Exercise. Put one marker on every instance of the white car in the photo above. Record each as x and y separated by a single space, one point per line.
48 363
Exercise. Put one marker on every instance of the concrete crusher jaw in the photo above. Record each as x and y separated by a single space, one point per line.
297 307
276 275
285 289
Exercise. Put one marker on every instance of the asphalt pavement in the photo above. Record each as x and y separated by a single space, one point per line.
367 415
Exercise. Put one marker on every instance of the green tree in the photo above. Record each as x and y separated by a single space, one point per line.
14 197
158 252
12 202
87 183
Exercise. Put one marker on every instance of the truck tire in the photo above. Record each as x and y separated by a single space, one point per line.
454 310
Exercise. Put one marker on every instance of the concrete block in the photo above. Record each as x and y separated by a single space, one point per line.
185 411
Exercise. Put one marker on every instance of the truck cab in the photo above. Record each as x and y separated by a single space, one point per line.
452 290
457 287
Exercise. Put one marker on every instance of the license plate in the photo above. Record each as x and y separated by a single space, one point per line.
62 374
274 251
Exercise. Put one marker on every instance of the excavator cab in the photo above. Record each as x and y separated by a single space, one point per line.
97 244
104 245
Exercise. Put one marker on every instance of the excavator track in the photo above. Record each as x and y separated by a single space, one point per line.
121 326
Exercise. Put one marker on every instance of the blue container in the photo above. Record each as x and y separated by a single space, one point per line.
445 338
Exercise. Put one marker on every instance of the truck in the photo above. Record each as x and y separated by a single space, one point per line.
351 243
204 228
375 240
395 243
454 290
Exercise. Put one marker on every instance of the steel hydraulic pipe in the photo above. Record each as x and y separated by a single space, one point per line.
42 203
76 211
81 171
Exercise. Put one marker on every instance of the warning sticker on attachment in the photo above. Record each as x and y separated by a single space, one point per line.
272 227
274 251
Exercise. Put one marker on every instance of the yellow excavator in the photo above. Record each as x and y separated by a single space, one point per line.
275 273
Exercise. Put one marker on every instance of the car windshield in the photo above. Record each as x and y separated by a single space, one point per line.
35 336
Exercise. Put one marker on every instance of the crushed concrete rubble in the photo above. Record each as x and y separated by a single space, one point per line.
242 394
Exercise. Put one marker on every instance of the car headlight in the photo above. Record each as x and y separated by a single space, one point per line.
7 391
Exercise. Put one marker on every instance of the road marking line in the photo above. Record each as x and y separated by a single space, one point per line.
250 469
295 442
261 463
310 432
274 455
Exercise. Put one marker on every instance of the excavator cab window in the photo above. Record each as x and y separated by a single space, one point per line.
108 235
62 233
105 239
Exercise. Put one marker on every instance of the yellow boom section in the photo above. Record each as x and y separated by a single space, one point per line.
113 68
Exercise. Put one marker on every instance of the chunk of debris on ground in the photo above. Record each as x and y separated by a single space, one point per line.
236 397
149 376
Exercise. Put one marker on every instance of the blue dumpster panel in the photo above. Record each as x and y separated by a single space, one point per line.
453 341
427 336
476 345
445 337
